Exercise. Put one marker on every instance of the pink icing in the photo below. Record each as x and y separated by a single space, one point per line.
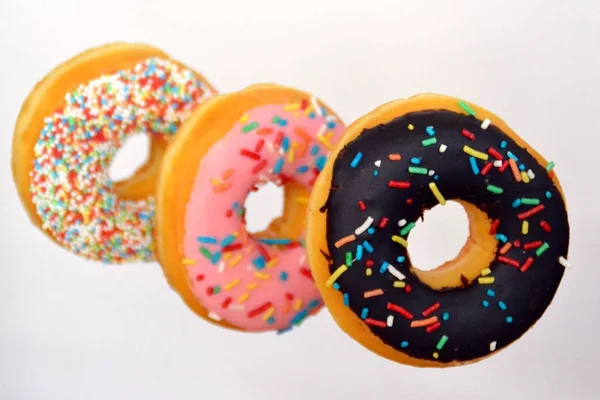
284 294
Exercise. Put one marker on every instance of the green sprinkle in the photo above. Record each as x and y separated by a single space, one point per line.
442 342
275 119
530 201
407 229
417 170
348 259
550 166
466 107
495 189
216 289
240 211
429 142
542 249
205 252
250 127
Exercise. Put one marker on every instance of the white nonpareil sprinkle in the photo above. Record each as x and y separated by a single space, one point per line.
564 262
378 163
530 174
390 320
443 148
214 316
493 346
498 163
485 124
402 222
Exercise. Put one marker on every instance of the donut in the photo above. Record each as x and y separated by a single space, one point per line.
229 147
71 126
407 157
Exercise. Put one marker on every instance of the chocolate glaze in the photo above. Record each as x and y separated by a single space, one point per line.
471 326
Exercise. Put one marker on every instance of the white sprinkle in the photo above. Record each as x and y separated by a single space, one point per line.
402 222
302 259
485 123
493 346
316 106
214 316
221 267
330 118
498 163
365 225
236 307
431 172
564 262
443 148
322 130
390 320
378 163
530 174
397 274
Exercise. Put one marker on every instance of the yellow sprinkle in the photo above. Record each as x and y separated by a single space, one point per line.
302 200
436 355
486 272
524 176
260 275
325 142
235 234
525 228
235 260
188 261
487 280
368 272
244 118
400 240
226 256
291 152
308 109
411 127
399 284
272 263
475 153
232 284
291 107
436 192
298 304
336 274
215 181
268 314
328 135
243 298
252 286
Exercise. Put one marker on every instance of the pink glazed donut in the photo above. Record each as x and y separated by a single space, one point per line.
233 145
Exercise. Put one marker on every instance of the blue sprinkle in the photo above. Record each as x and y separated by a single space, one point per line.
285 144
336 286
516 203
383 267
509 320
283 276
320 163
474 166
446 316
503 144
359 252
259 262
491 293
415 160
368 246
371 231
270 321
284 330
364 313
315 150
404 344
346 300
282 122
278 166
400 259
216 257
521 167
299 317
206 239
502 305
548 195
485 303
375 173
331 124
302 169
436 177
311 115
228 240
430 131
501 237
511 155
356 159
314 304
275 241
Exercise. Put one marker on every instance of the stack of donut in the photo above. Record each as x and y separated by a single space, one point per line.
185 206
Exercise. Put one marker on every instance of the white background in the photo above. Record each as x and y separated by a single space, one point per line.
71 329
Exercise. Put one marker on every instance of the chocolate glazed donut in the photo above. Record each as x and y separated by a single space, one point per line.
505 277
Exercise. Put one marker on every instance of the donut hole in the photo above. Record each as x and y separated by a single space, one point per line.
263 206
439 236
132 155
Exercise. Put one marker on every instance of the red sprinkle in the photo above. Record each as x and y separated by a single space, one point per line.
226 302
362 206
259 310
249 154
486 168
494 153
232 247
504 166
527 264
259 145
545 226
509 261
517 243
399 184
408 288
228 213
431 309
306 272
369 263
263 252
289 296
258 167
432 327
209 290
409 201
278 140
383 222
532 245
468 134
494 227
399 310
199 277
529 213
374 322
